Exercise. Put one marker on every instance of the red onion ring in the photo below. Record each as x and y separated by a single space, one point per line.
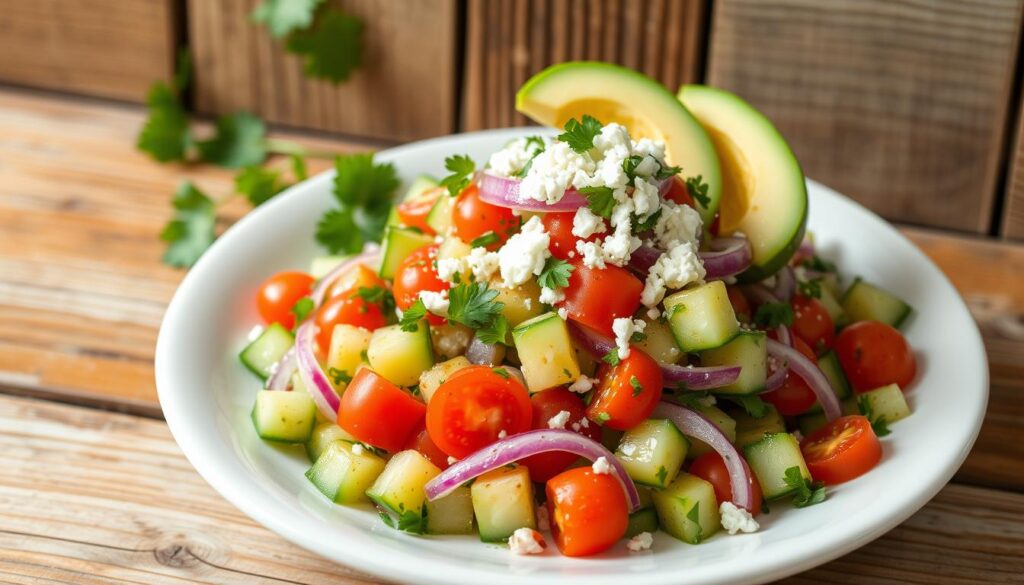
695 425
777 376
784 335
504 192
516 447
785 284
727 257
283 370
643 258
811 374
370 253
313 376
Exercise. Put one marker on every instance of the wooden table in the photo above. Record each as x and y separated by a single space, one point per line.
88 495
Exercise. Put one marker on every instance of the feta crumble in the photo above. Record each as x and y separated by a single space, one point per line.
601 466
653 313
736 519
555 170
582 385
435 302
551 296
591 252
624 328
677 224
509 161
558 421
674 269
523 255
586 223
502 434
452 460
482 264
358 449
526 541
642 541
563 313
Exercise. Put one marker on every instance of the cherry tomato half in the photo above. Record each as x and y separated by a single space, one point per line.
474 217
595 297
588 511
475 405
711 468
278 294
422 442
413 212
794 396
846 448
626 393
812 323
874 354
558 225
679 193
548 404
377 412
347 308
416 273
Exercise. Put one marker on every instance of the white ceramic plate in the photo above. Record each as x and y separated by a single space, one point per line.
206 396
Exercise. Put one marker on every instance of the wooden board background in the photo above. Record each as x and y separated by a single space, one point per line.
1013 212
405 91
108 48
900 104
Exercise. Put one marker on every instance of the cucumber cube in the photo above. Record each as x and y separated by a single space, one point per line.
432 379
653 452
687 509
503 503
398 490
398 243
452 514
285 417
750 429
702 317
749 350
769 459
401 356
325 433
267 349
867 302
886 403
348 348
343 472
546 352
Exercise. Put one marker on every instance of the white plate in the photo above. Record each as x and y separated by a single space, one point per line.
206 396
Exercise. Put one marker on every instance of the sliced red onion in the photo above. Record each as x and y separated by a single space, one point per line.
811 374
516 447
777 375
283 370
784 335
760 294
504 192
643 258
695 425
593 342
313 376
727 257
370 253
785 284
481 353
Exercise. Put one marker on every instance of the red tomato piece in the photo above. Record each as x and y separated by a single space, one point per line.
349 309
711 468
377 412
278 294
812 323
794 396
596 297
844 449
874 354
740 304
413 212
588 511
473 407
559 229
422 442
627 393
418 272
548 404
473 217
679 193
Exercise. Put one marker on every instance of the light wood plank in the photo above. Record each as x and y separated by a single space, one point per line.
1013 212
109 48
404 91
901 104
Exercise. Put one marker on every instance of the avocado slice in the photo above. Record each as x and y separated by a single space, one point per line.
764 194
612 93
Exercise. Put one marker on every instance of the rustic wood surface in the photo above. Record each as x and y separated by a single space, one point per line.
1013 212
110 48
910 97
96 497
507 41
405 91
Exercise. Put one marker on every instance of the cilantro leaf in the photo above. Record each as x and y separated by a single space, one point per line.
751 403
539 146
191 231
580 136
667 172
494 332
807 493
258 184
698 190
646 225
485 240
810 288
502 372
555 274
819 264
239 140
461 168
694 516
331 48
378 295
411 317
473 305
339 376
284 16
612 357
165 136
302 308
878 423
662 474
365 191
637 386
337 232
602 417
298 166
771 315
601 200
694 399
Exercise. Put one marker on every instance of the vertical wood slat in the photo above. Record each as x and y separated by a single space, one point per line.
106 48
897 103
405 89
1013 212
635 33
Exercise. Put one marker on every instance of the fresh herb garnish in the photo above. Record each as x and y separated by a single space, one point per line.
302 308
473 305
191 231
494 332
379 295
637 386
538 147
754 406
411 317
662 474
555 274
502 372
810 288
165 136
461 168
807 493
284 16
694 516
338 376
364 190
331 47
665 172
239 140
637 337
601 200
612 357
258 184
580 135
602 417
771 315
646 225
878 423
819 264
485 240
698 190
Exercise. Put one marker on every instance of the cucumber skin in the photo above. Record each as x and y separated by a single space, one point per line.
273 328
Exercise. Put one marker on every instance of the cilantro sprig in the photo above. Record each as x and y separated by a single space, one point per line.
806 493
580 135
771 315
411 317
191 231
555 274
364 190
495 332
810 288
698 190
694 516
332 48
878 422
461 168
638 388
378 295
473 305
601 200
302 308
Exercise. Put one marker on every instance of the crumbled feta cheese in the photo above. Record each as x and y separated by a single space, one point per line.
647 167
438 239
551 296
558 421
526 541
613 145
447 268
591 253
586 223
646 199
673 270
508 161
582 385
358 449
524 254
482 263
563 313
543 522
452 460
677 224
555 170
502 434
653 313
624 328
435 302
642 541
601 466
736 519
646 146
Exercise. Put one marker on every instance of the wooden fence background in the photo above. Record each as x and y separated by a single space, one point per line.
910 106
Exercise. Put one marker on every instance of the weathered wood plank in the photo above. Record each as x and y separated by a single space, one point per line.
87 497
1013 211
404 91
109 48
900 104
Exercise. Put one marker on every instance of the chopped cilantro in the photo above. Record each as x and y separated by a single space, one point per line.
165 136
580 135
555 274
810 288
284 16
258 184
485 240
302 308
461 168
807 493
411 317
771 315
602 417
694 516
338 376
239 140
331 47
637 337
601 200
612 357
878 423
364 190
668 172
502 372
379 295
494 332
191 231
751 403
637 386
662 474
538 147
473 305
698 190
646 225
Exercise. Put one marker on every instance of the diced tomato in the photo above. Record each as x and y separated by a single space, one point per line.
279 293
812 323
626 393
355 277
377 412
740 304
473 217
874 354
595 297
558 225
546 405
679 193
422 442
418 272
844 449
794 396
347 308
711 468
588 511
413 212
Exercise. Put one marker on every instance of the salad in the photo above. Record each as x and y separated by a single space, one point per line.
589 337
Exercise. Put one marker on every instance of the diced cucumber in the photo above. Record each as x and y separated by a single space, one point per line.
344 472
702 317
611 438
453 247
687 509
285 417
503 503
749 350
325 433
521 303
440 216
348 348
815 419
646 518
652 452
452 514
267 349
435 376
833 307
867 302
419 187
399 242
546 352
723 421
321 265
401 356
659 343
886 403
398 490
769 459
750 429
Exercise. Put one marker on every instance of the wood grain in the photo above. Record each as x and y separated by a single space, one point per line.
109 48
510 40
96 497
404 91
900 104
1013 211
